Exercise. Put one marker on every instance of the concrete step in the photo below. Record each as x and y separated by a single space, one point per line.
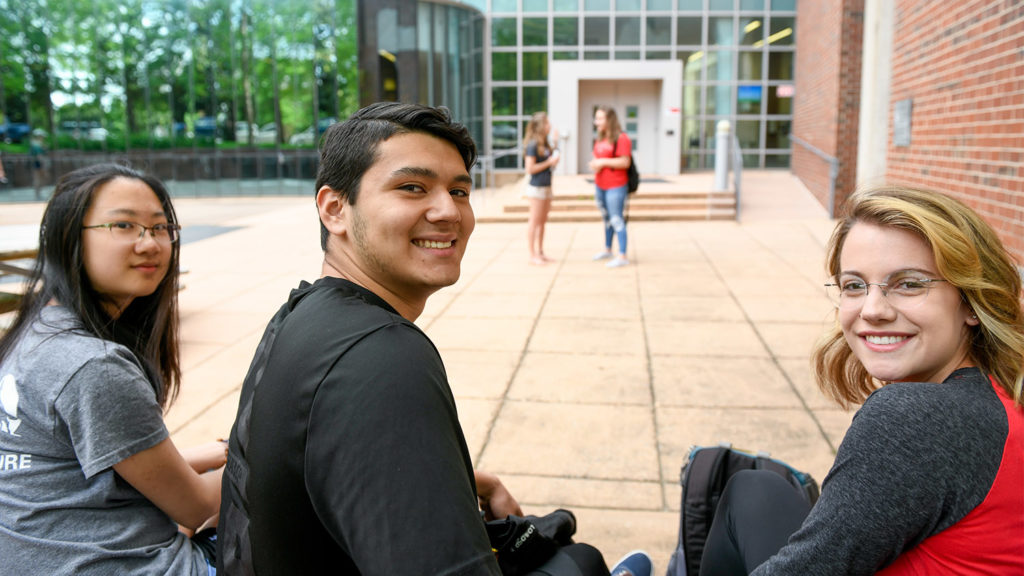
634 204
643 206
633 215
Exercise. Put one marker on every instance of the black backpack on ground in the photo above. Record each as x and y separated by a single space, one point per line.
632 175
703 478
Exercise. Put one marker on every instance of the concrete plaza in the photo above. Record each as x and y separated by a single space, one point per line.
582 387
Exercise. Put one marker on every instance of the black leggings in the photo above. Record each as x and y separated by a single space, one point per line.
757 514
574 560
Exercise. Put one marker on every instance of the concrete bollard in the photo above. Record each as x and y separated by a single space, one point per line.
722 136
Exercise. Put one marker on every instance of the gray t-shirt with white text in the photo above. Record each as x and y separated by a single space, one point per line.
71 406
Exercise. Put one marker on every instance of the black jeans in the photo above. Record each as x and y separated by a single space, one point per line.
757 514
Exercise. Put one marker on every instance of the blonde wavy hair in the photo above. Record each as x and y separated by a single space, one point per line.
968 255
534 133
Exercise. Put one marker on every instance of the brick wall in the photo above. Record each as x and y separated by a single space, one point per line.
963 68
826 108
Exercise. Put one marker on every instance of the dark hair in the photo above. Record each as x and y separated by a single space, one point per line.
349 148
148 326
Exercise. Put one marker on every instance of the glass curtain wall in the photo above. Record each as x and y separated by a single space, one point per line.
192 90
451 62
738 61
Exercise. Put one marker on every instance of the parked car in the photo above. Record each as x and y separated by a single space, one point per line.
304 138
206 127
267 134
88 129
242 132
14 132
307 138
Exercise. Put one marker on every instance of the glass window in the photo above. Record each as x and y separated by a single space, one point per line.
596 5
751 31
566 5
691 5
780 65
503 5
777 133
535 5
782 31
780 99
572 55
691 98
659 55
719 66
659 31
659 5
720 5
748 99
503 135
566 31
710 130
719 99
688 31
693 63
503 32
535 99
783 5
503 66
752 5
720 31
750 65
596 55
749 134
535 65
595 31
627 31
503 100
535 31
627 5
627 54
776 160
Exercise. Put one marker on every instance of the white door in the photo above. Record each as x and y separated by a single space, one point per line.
636 104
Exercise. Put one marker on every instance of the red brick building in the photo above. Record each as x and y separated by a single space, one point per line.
915 92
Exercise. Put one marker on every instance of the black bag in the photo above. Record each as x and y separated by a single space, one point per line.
703 478
632 175
527 545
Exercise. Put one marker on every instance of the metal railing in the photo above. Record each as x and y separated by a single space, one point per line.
833 170
736 159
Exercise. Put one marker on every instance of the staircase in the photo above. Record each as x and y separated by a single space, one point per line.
658 199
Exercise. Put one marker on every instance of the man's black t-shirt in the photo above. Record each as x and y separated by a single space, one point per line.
347 456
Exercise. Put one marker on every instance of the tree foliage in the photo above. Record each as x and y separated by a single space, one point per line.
150 73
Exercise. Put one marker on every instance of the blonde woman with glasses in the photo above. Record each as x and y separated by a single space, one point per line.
90 481
929 337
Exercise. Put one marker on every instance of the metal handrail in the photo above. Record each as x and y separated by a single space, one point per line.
736 159
833 170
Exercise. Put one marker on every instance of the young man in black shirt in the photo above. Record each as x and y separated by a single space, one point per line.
347 455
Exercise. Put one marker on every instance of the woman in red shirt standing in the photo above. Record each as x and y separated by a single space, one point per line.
612 151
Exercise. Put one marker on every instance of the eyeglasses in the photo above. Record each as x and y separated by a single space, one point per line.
902 290
130 232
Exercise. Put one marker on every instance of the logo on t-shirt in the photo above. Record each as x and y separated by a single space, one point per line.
9 405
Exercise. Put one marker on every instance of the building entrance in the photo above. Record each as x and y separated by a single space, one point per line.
646 96
636 104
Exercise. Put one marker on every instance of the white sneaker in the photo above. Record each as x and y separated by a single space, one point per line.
618 263
601 256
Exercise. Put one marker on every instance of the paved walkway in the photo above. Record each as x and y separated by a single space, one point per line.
582 387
